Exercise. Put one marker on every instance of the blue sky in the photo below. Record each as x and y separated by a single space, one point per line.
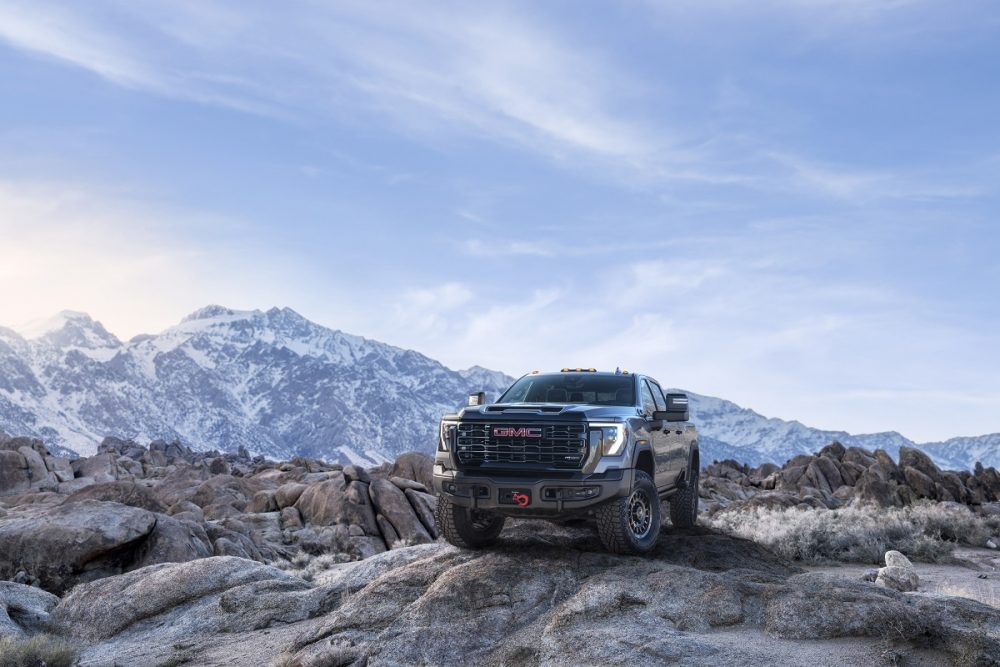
788 203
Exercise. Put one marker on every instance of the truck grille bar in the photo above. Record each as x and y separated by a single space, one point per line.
560 445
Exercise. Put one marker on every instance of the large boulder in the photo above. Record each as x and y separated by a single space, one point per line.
15 475
336 502
24 609
826 472
100 467
921 484
73 542
424 505
790 477
873 489
224 490
834 450
858 456
40 475
173 541
124 492
392 503
60 466
895 558
889 468
914 458
416 466
288 494
898 578
953 484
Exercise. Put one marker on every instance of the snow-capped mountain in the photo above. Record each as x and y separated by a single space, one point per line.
730 431
271 381
281 386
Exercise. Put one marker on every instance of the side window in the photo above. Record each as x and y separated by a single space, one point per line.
661 403
648 403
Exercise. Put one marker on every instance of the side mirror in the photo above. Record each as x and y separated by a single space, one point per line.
677 409
479 398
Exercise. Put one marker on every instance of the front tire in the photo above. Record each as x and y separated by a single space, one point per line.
465 527
631 525
684 503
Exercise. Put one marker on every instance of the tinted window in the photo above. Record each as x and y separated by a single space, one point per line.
588 388
648 404
661 402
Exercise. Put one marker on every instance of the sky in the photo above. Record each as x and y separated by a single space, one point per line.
791 204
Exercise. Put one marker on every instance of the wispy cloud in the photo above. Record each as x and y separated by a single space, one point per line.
501 247
441 74
429 67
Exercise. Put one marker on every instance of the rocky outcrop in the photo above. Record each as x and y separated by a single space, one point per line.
544 595
131 506
25 465
838 475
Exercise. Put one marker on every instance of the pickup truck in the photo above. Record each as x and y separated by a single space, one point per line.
608 446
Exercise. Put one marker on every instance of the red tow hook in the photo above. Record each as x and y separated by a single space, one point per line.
521 499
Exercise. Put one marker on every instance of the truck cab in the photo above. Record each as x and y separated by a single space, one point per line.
605 445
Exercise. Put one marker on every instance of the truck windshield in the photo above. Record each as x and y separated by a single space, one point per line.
572 388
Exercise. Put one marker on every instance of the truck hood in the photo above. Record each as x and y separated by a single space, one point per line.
535 412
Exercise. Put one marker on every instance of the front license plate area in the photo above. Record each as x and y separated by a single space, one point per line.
518 497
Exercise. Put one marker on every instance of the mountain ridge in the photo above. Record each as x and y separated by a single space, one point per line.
281 385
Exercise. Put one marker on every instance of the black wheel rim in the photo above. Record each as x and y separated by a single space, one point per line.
640 513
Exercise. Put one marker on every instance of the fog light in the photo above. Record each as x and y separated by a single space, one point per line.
572 493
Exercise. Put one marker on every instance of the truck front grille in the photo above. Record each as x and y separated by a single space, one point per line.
560 445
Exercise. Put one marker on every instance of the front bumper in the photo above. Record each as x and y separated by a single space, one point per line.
549 496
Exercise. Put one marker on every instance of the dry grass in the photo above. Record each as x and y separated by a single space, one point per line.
313 568
37 651
925 532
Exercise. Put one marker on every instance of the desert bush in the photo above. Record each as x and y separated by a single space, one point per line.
313 568
925 532
37 651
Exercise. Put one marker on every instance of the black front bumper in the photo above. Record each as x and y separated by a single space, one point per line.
549 496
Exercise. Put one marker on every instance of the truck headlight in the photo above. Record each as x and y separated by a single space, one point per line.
446 435
609 439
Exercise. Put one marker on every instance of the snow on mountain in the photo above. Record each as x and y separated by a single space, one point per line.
730 431
281 386
271 381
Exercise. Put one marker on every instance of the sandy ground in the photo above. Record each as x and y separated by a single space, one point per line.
974 574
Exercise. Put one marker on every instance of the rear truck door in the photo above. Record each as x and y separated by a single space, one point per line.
676 440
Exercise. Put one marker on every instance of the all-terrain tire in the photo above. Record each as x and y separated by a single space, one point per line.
619 521
465 527
684 503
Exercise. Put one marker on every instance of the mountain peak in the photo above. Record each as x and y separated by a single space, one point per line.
69 329
46 325
211 312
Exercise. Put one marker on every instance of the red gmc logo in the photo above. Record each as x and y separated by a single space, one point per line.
519 432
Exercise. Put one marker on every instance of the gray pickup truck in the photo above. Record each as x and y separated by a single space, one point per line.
576 443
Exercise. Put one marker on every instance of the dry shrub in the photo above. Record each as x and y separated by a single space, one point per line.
925 532
37 651
316 569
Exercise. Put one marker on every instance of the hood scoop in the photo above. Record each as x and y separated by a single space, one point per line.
527 408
